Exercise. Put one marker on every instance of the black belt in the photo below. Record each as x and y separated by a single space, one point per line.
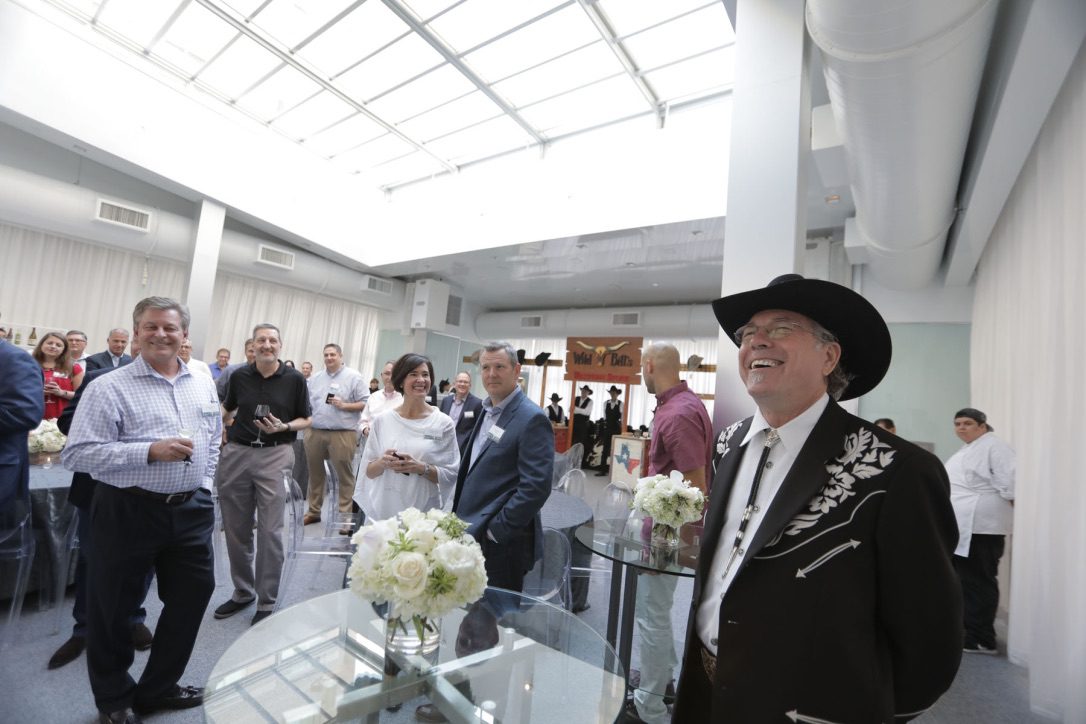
167 498
262 443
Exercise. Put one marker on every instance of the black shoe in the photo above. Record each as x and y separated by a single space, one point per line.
971 648
231 607
121 716
582 608
182 697
68 652
142 638
260 616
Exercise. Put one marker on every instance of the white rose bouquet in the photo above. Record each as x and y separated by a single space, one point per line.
423 564
669 500
46 437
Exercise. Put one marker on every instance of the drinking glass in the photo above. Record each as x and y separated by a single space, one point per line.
186 434
260 412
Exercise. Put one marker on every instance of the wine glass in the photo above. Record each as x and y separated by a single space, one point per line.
185 434
260 412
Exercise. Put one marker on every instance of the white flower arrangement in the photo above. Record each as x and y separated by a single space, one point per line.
424 564
46 437
669 499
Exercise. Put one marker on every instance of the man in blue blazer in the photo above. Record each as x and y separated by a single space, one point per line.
114 356
463 407
22 404
505 472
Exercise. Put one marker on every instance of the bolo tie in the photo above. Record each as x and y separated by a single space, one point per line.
771 439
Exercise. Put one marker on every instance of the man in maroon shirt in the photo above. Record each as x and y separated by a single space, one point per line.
682 435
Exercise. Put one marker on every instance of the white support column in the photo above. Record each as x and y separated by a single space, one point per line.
205 264
767 175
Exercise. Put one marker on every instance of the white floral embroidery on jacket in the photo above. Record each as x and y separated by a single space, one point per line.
864 457
722 442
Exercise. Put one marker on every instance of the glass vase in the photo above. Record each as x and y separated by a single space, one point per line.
665 536
408 639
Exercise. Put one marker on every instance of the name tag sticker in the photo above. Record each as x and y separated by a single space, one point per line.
210 409
469 414
436 438
495 433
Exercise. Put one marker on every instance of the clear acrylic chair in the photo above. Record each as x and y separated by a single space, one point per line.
575 454
573 483
16 555
549 577
335 521
614 502
67 556
297 546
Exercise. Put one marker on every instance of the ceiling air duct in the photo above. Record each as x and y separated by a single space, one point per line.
903 77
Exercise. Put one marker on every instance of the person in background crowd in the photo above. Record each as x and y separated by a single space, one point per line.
222 361
411 455
378 402
253 461
197 366
582 420
289 363
886 424
375 384
4 332
22 403
825 557
982 493
80 495
62 377
152 509
555 412
307 369
114 355
463 407
77 347
224 377
337 395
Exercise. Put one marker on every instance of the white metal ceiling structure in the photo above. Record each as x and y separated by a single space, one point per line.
401 90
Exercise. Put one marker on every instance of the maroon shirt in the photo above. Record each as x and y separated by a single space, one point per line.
682 434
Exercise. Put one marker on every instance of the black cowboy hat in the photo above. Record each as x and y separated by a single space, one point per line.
614 389
555 397
860 329
520 356
586 388
541 358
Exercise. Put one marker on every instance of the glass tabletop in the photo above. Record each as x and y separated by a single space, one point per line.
506 657
624 541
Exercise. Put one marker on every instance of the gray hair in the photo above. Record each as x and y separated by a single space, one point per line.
161 303
267 325
500 346
838 378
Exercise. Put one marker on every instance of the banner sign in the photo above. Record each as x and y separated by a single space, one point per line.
604 359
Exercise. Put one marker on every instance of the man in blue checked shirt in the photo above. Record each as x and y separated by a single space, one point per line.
149 432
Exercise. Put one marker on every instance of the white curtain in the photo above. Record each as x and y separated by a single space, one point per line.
641 403
307 321
54 283
1028 346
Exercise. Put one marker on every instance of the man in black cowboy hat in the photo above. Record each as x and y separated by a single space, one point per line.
582 420
824 589
612 425
554 411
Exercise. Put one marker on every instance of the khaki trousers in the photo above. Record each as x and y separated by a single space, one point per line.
337 447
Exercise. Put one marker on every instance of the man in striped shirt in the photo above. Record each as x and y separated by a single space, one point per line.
149 432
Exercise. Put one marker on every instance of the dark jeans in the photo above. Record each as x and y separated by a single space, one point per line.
980 591
79 609
133 535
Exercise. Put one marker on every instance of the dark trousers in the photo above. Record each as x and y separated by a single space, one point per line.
132 535
79 609
507 563
980 591
605 457
581 423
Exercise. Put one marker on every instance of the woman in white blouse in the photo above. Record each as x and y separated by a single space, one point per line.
411 455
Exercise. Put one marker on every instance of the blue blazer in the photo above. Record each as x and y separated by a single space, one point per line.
22 404
466 423
102 360
510 481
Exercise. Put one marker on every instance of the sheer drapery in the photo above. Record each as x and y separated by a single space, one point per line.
307 321
1028 342
57 283
641 403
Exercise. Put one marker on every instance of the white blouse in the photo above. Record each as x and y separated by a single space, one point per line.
432 440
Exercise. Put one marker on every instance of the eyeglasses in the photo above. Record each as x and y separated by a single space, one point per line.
777 329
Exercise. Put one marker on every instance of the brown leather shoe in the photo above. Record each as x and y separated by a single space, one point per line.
68 652
142 638
429 713
310 518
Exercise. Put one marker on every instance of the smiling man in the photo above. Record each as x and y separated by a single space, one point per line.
462 407
505 472
824 588
268 403
113 355
152 508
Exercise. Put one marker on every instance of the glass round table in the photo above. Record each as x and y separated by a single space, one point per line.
506 657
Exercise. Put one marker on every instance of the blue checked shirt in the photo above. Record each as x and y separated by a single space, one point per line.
120 414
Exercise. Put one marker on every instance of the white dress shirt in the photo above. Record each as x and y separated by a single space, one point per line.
793 435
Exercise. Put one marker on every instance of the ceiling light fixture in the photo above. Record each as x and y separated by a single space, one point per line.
833 198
